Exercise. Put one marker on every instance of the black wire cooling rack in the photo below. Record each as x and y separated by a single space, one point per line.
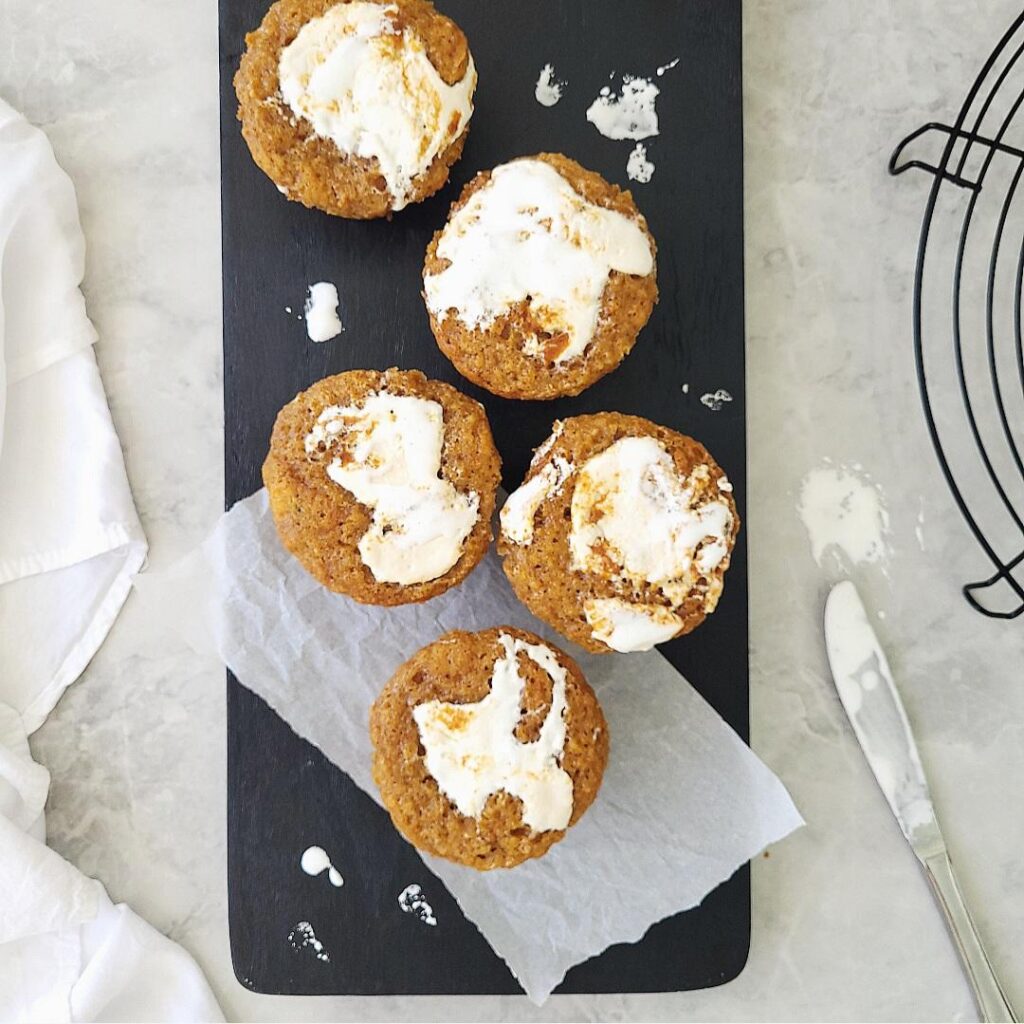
968 347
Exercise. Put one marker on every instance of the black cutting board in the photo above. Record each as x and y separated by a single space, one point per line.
283 795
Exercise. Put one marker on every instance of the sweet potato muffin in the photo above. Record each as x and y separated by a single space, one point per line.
382 484
541 280
356 108
487 747
620 535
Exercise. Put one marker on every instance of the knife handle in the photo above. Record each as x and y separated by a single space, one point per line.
991 999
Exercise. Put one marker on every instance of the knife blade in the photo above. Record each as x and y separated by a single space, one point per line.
868 693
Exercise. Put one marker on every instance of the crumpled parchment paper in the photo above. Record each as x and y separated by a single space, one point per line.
684 801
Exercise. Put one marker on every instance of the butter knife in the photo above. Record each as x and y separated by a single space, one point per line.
868 694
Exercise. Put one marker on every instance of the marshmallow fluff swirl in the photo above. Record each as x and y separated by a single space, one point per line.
636 519
387 453
528 235
367 84
472 750
621 533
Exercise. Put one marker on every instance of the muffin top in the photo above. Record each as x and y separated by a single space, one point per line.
620 535
382 484
541 279
488 746
383 90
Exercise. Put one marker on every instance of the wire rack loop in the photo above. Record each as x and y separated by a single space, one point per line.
984 489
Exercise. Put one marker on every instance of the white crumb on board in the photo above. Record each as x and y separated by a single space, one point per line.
548 90
322 322
638 167
844 514
667 67
287 309
686 389
628 114
303 937
714 400
412 901
314 861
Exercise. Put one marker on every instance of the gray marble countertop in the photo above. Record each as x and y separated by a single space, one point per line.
844 923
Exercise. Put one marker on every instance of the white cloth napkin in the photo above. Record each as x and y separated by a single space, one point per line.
70 540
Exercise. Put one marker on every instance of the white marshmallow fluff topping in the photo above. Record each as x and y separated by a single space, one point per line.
472 750
635 519
387 454
321 312
519 510
628 627
371 89
528 235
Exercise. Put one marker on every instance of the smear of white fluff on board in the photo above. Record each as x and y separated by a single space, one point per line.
548 91
629 114
715 400
303 937
638 167
314 861
412 901
322 321
844 513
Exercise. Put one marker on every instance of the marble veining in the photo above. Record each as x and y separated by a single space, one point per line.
844 924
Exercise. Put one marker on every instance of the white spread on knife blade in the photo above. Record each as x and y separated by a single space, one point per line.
387 453
322 321
864 681
371 89
528 235
472 750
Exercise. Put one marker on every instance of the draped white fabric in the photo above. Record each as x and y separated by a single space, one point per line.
70 540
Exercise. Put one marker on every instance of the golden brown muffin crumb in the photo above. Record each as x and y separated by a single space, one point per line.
309 168
458 668
540 566
321 523
498 357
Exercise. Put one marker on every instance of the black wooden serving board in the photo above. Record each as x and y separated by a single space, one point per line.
283 795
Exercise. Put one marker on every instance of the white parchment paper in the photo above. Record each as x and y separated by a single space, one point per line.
684 801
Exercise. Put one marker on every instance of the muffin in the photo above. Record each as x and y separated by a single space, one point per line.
541 279
356 108
382 484
620 535
487 747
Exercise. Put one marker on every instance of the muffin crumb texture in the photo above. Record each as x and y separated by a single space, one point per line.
383 484
487 747
541 280
354 107
621 533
